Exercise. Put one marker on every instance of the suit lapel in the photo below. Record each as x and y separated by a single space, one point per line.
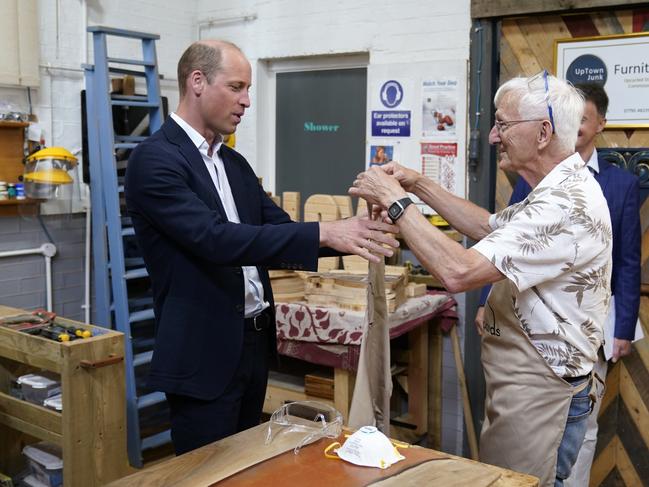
602 177
240 192
177 135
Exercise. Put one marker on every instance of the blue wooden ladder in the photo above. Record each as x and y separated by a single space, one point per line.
118 268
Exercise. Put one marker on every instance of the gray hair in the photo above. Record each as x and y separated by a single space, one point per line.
567 105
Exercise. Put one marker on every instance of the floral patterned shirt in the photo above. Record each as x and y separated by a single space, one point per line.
555 249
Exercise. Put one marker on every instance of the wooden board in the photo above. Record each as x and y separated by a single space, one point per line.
322 208
291 204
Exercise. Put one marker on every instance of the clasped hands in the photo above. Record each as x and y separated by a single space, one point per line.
367 237
383 185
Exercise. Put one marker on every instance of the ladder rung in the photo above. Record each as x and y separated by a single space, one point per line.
142 358
129 97
132 72
150 399
130 138
136 273
128 103
156 440
128 232
126 145
134 62
122 32
145 314
143 343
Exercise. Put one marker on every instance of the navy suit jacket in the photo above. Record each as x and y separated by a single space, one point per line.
194 257
621 190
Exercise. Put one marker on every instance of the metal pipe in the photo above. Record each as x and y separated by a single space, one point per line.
86 294
48 251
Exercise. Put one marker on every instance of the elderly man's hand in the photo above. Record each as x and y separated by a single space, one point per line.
360 236
377 187
407 177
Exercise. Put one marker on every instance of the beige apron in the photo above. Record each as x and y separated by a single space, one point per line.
371 400
527 404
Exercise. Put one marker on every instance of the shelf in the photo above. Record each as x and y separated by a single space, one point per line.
14 207
38 421
91 429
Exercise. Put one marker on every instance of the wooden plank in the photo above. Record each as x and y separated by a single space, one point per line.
418 378
625 18
520 47
634 402
291 203
32 414
607 23
508 8
604 463
625 467
344 381
435 352
466 404
322 208
344 203
449 473
537 41
631 439
94 419
12 140
30 428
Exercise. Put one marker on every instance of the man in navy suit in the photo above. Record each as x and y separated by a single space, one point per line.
620 189
208 232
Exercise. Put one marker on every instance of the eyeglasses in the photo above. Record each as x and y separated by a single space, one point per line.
533 84
501 125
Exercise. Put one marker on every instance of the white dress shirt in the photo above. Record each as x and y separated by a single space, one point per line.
254 290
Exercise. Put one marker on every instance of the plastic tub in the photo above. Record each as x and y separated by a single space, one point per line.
36 388
45 463
54 402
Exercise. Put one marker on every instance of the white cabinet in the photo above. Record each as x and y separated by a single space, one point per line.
20 52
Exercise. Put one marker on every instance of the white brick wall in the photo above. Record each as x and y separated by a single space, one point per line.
390 32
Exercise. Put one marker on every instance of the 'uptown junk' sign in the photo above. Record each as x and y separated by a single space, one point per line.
620 63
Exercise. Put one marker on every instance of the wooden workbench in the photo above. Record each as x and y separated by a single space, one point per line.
228 462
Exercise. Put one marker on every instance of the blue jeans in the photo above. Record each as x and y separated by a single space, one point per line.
573 435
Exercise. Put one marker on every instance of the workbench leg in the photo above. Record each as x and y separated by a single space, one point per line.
418 378
468 417
343 391
435 349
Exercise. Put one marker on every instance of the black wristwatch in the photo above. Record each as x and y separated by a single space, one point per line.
397 208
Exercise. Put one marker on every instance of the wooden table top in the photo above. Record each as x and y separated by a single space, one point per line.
237 460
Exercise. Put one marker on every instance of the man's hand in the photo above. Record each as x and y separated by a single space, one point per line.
479 320
360 236
377 187
407 177
621 348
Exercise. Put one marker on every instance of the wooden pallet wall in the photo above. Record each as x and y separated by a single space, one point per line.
527 47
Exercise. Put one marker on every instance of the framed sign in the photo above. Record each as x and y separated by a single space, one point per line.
620 63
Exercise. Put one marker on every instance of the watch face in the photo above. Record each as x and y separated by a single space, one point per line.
394 210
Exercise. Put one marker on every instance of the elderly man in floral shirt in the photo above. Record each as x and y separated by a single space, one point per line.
550 259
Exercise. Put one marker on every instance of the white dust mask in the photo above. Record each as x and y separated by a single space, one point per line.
367 447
